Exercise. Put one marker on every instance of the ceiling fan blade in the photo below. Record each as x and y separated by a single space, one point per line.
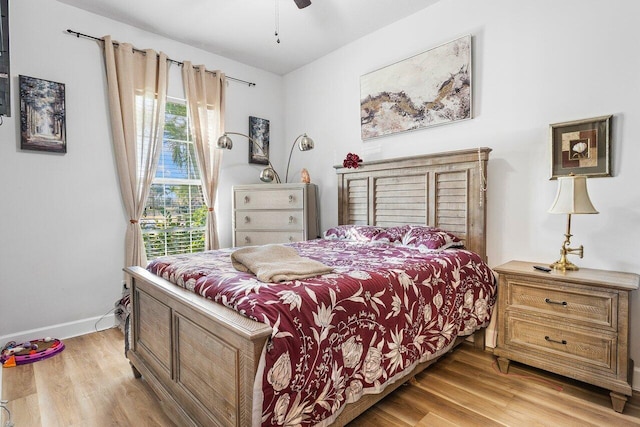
302 3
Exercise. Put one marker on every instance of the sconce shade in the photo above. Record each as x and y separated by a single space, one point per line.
306 143
225 142
572 197
268 174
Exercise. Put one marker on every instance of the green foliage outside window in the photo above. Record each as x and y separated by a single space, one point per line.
175 214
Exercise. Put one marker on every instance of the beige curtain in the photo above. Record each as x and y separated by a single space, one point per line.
137 84
205 93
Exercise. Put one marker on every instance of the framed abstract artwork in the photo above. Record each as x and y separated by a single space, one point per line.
581 147
428 89
259 134
42 115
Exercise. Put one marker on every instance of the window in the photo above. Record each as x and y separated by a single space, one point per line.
173 221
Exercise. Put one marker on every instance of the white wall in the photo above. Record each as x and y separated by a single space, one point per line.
63 224
535 63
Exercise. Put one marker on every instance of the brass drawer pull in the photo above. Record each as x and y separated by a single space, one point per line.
548 301
247 239
247 220
290 198
291 238
291 218
563 342
246 199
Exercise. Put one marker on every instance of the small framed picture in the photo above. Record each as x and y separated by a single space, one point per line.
259 142
42 115
581 147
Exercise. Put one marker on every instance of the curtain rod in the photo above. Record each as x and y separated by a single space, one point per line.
86 36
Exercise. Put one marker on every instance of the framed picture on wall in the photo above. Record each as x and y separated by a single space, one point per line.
42 115
428 89
259 134
581 147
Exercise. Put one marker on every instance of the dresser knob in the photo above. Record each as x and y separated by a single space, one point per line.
247 239
290 198
247 220
563 342
246 199
291 218
291 238
548 301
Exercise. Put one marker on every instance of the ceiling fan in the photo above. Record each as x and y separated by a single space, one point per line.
302 3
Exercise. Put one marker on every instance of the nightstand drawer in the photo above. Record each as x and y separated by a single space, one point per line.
269 220
563 344
253 238
579 304
268 198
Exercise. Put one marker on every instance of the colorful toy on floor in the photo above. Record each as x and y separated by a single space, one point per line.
30 351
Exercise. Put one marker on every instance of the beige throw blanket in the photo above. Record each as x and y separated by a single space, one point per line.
276 263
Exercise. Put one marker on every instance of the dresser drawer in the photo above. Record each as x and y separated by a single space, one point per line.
573 304
269 220
252 238
274 213
573 347
287 198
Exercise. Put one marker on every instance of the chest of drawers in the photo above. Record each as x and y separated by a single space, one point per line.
274 213
573 323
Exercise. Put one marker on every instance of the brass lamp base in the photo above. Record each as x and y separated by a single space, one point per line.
564 265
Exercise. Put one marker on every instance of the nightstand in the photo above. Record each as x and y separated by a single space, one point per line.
573 323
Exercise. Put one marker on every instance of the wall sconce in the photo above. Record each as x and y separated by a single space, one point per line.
269 173
572 198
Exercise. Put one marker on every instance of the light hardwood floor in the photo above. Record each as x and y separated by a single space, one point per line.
90 384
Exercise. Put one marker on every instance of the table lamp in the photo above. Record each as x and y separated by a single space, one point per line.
572 198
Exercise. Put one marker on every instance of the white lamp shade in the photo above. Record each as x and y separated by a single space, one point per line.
572 197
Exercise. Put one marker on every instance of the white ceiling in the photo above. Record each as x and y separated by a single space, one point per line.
243 30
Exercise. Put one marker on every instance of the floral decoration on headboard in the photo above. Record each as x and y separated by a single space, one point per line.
352 161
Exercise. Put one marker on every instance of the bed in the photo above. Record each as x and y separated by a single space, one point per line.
211 365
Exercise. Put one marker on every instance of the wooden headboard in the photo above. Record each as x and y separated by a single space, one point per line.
445 190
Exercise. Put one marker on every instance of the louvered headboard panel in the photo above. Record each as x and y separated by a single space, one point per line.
445 190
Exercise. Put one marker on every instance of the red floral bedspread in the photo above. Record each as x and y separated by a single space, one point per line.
339 336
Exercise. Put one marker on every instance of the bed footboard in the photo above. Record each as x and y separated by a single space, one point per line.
199 357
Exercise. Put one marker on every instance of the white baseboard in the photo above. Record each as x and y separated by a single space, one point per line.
63 330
